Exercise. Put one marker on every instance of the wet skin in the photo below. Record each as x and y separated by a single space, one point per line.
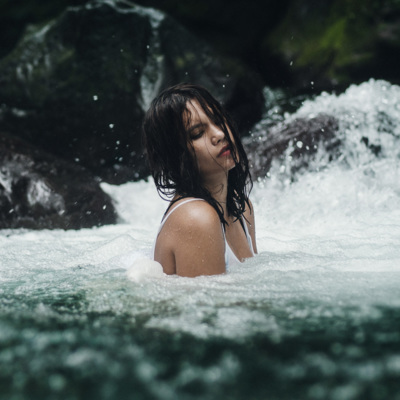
191 242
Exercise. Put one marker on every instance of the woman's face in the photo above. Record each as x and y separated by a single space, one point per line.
212 150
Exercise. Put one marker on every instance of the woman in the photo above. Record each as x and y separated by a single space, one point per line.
196 157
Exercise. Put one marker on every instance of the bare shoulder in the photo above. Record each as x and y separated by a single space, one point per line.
191 243
196 213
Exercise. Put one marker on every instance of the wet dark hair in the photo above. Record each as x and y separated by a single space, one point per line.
173 164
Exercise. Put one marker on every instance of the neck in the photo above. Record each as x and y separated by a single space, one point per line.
219 191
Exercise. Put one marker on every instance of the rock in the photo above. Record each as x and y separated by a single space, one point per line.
78 86
291 43
39 191
298 141
329 45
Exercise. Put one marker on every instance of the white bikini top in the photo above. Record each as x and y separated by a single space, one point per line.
230 257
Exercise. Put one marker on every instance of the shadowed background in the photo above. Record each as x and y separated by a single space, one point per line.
290 43
76 78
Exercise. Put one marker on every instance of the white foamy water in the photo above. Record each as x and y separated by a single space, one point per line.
328 243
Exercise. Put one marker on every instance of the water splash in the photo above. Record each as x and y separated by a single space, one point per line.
368 120
318 308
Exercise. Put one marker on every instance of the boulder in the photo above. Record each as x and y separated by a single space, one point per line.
78 86
325 45
39 191
297 141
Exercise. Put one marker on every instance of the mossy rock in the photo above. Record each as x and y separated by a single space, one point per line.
40 191
335 43
78 86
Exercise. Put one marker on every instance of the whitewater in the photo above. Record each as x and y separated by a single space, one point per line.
315 315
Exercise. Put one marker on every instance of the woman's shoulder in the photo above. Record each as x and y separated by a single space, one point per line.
191 242
190 210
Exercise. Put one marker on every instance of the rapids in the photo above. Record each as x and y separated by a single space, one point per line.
315 315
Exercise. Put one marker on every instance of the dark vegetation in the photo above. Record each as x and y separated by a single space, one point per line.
290 43
76 80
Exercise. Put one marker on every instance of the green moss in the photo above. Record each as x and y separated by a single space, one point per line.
328 39
185 60
322 48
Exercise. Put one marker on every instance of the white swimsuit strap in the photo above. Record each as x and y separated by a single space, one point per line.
175 208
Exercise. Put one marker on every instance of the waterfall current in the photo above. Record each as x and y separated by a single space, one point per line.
315 315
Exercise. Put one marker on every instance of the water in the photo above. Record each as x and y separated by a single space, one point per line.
316 315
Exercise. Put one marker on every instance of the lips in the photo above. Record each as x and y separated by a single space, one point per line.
225 151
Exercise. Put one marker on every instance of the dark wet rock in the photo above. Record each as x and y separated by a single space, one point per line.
291 43
77 87
320 45
297 141
38 191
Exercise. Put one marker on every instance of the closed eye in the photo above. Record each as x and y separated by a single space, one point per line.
197 135
196 131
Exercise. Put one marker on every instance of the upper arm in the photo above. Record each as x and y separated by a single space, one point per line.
251 224
196 240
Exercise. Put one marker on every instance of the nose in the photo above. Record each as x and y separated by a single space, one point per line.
217 135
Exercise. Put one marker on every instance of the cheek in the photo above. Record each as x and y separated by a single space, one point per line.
200 151
204 160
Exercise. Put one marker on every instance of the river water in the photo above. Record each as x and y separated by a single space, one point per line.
316 315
